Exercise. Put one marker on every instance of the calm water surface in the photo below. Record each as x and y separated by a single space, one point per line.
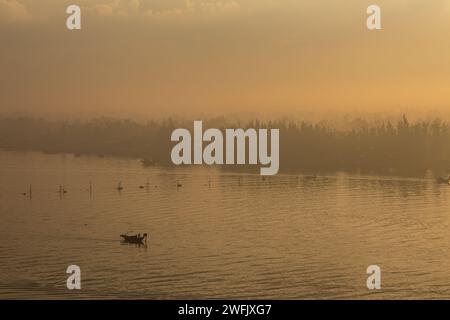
283 237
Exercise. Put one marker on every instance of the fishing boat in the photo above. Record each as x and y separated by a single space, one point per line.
136 238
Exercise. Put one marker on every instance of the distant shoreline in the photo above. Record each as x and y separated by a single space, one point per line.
402 149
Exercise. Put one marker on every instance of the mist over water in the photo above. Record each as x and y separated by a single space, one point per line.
410 148
220 235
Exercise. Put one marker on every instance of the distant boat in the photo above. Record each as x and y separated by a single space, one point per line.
443 180
148 162
119 186
137 238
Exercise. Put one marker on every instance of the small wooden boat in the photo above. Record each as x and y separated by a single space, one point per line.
137 239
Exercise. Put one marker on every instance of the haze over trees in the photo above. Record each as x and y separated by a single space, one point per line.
382 147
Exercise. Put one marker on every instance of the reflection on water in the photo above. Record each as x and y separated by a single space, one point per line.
219 235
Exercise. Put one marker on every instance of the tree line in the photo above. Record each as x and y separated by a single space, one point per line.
383 147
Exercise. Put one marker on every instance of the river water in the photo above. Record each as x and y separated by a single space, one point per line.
219 235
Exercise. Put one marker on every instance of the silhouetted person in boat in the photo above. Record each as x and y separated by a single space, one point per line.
134 239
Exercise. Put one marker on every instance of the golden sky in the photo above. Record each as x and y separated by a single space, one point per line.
207 57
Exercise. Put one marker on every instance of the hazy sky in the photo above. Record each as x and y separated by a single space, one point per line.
208 57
